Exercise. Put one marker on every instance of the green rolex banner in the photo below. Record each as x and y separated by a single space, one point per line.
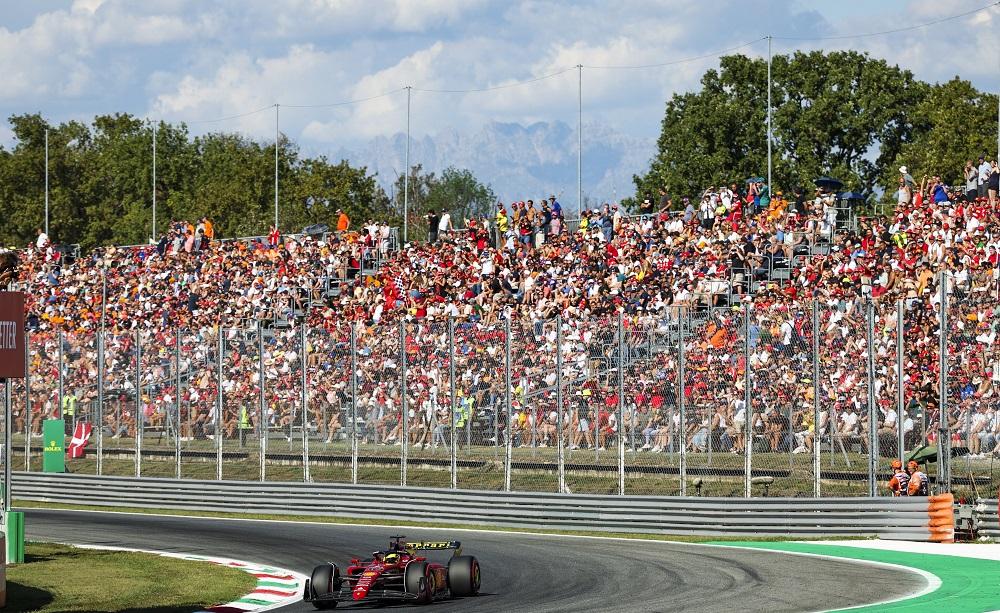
54 440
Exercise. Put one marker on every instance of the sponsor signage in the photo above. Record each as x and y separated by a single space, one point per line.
11 335
53 446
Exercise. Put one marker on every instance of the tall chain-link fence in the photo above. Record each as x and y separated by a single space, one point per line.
767 398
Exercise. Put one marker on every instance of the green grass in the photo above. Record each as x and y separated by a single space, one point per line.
30 504
62 578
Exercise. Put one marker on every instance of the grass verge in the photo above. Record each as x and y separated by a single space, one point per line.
63 578
31 504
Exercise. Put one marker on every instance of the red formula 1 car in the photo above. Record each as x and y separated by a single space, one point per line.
396 574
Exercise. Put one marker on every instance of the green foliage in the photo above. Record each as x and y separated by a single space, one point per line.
101 181
842 114
456 191
954 123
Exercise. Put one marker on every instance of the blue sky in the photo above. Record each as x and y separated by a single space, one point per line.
195 60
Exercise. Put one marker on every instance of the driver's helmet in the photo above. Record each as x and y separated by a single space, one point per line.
391 558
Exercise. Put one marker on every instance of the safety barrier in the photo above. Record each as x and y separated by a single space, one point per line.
941 518
3 571
987 518
900 518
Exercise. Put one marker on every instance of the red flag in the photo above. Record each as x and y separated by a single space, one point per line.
80 438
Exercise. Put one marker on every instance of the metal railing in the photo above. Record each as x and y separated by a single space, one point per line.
669 404
888 517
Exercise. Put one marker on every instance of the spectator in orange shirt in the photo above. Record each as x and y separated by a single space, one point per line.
343 223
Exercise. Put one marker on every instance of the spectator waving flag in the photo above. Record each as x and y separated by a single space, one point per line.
81 436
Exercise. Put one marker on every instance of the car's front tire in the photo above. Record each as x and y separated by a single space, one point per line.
464 576
417 579
325 580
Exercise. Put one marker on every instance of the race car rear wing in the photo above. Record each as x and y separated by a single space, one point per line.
434 545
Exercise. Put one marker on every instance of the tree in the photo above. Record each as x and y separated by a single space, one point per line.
101 182
832 114
953 123
457 191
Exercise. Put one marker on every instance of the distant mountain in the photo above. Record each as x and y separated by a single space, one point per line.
519 161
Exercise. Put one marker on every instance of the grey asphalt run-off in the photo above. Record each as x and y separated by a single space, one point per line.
521 572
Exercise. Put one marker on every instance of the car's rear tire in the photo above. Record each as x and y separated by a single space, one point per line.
324 581
464 576
417 579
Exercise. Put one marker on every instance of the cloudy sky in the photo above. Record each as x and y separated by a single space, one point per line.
201 60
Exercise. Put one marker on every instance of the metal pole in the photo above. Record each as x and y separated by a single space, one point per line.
140 416
621 403
769 188
561 460
579 140
154 182
404 414
872 410
354 405
747 410
304 401
900 385
59 336
99 426
451 378
277 143
406 172
944 447
219 403
510 427
27 400
177 404
261 402
7 444
47 185
816 391
682 431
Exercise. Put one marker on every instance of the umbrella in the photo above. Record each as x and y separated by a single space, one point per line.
852 196
928 453
829 183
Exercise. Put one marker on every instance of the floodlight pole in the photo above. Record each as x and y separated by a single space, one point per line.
277 142
406 171
769 188
47 182
579 140
154 182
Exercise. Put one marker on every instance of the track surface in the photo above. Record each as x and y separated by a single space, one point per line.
520 572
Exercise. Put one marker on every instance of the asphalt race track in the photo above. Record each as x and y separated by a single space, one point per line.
520 572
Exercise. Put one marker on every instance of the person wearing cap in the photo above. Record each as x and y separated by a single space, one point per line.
899 481
919 483
907 177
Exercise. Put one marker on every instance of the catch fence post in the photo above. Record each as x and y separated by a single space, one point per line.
561 460
404 414
354 404
451 426
621 403
747 409
303 398
219 403
509 446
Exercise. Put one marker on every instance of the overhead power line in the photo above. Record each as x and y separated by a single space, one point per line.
495 87
894 30
680 61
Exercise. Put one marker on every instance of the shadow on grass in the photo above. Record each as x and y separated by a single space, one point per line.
25 598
